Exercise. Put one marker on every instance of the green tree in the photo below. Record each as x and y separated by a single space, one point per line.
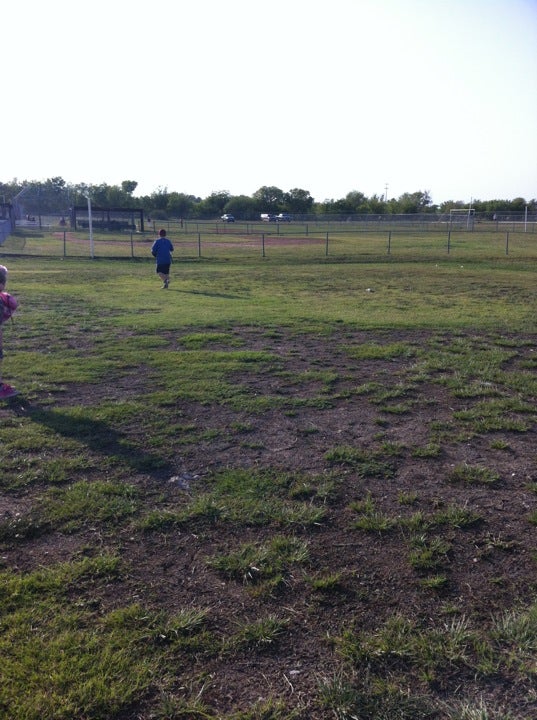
269 199
377 204
181 205
448 205
242 207
213 205
335 207
415 202
129 186
297 201
99 194
46 198
9 190
518 204
117 197
159 199
357 202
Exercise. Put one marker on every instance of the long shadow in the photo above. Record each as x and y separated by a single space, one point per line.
210 294
100 438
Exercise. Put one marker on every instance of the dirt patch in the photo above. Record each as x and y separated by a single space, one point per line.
324 399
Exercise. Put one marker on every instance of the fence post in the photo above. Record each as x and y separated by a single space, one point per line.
263 245
326 248
132 247
199 245
449 241
389 242
507 244
64 244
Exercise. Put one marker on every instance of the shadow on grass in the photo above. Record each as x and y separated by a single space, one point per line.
226 296
100 438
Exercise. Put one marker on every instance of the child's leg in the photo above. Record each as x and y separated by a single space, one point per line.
6 391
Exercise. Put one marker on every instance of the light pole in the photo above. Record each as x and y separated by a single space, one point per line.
90 223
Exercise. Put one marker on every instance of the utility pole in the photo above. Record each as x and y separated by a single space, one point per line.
386 193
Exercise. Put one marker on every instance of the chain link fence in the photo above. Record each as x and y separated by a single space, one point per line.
50 236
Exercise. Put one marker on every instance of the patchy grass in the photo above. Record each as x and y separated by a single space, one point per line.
473 474
210 497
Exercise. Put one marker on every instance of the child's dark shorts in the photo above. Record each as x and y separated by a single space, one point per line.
164 268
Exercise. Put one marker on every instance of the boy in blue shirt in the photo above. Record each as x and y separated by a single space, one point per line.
162 250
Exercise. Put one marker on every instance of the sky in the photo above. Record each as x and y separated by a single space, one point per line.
382 97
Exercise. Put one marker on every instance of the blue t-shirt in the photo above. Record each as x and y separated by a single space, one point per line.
162 250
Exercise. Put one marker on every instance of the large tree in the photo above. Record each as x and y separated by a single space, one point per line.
213 205
376 204
242 207
297 201
181 205
129 186
335 207
269 199
415 202
357 202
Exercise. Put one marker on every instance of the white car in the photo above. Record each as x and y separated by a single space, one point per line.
227 218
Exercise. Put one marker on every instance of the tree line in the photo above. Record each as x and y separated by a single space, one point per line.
55 195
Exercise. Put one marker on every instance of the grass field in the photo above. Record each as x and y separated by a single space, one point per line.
293 486
316 242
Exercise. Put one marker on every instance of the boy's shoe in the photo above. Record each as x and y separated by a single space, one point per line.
165 286
6 391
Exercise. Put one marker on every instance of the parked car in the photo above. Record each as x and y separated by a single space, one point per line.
283 217
268 217
228 218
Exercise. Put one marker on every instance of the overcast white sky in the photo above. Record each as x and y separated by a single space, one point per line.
329 96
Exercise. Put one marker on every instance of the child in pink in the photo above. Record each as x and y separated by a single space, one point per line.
8 305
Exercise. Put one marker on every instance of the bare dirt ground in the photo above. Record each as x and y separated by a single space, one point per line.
490 566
